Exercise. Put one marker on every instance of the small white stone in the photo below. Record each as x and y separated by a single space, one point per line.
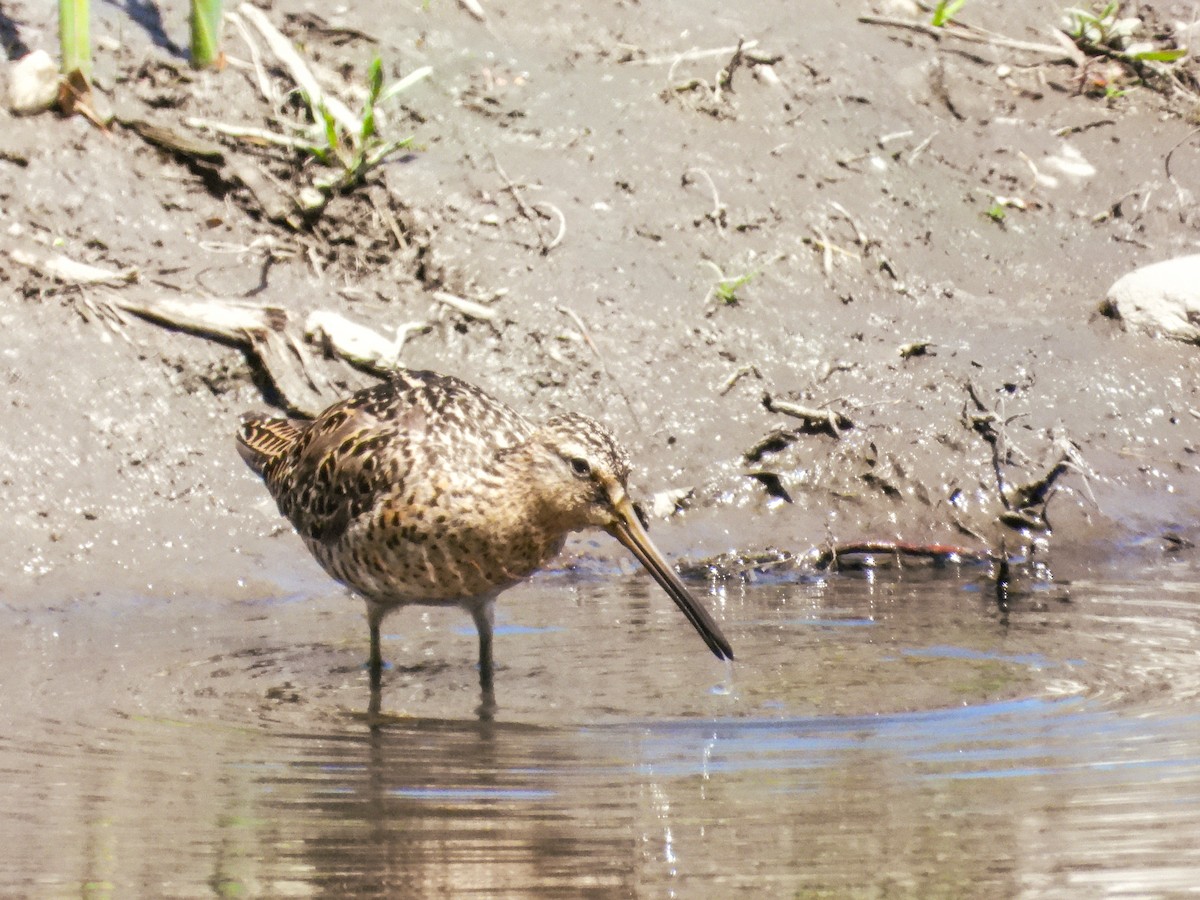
33 83
1070 161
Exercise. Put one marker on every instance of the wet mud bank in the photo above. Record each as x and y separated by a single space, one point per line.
846 289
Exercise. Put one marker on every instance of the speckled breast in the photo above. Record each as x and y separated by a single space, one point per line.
393 565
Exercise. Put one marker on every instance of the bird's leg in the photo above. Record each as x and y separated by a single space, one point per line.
485 621
375 664
375 703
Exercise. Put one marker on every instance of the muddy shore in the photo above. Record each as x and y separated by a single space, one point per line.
836 228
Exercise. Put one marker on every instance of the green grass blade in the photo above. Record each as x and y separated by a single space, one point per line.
374 80
374 86
206 33
74 33
381 153
1159 55
946 10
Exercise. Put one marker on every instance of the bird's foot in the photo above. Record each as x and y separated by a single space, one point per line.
487 705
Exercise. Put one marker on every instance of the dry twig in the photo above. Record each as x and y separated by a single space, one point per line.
303 76
718 214
692 55
816 421
528 212
468 308
971 35
69 271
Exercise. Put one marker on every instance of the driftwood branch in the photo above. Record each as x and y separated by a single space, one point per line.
815 421
259 329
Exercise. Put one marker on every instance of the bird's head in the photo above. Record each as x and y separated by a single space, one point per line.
584 472
582 481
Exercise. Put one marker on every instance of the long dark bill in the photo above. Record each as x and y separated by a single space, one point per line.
629 531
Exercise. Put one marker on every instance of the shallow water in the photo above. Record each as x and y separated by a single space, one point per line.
894 733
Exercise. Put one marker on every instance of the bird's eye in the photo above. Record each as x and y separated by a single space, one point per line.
580 467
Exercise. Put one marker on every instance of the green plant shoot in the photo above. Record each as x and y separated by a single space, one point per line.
74 35
945 11
206 33
374 86
726 289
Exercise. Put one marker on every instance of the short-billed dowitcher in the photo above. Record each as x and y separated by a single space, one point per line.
426 490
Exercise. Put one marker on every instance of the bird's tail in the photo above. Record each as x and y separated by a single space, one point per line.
262 439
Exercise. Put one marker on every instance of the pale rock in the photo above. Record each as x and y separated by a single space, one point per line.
33 83
1160 299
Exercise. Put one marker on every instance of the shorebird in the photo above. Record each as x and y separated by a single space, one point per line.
426 490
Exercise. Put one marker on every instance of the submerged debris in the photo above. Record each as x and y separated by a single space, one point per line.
838 554
776 562
1024 505
743 565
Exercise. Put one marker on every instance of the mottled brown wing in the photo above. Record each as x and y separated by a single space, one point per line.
262 439
332 473
378 443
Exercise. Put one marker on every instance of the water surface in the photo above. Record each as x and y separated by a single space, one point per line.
891 735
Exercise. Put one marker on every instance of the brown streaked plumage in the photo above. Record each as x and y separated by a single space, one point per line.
426 490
